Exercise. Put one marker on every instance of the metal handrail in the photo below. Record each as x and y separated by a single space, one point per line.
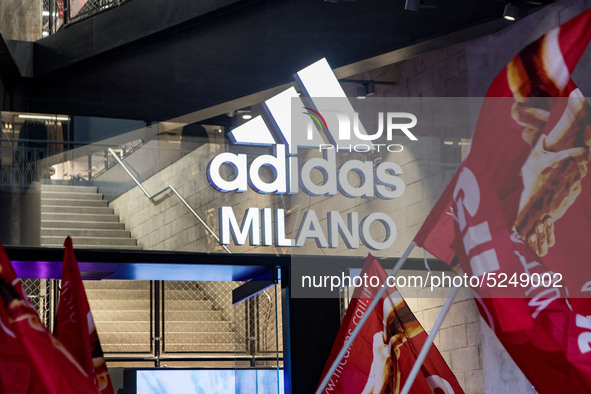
171 188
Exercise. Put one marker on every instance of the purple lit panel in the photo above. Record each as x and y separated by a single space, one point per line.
38 269
139 271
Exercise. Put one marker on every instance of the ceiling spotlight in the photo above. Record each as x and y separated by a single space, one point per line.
412 5
511 12
361 93
43 117
244 113
366 89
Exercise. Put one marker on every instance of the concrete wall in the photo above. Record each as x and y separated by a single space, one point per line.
21 19
167 224
440 73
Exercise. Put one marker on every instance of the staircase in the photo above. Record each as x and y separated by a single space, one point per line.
81 212
192 323
121 308
121 311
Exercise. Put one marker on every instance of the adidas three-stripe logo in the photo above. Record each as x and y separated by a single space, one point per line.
317 82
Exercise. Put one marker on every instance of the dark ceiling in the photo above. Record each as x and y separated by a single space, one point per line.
156 59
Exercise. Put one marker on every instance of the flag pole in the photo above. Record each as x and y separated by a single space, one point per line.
368 311
423 354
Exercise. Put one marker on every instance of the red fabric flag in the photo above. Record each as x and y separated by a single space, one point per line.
384 352
518 212
32 360
75 326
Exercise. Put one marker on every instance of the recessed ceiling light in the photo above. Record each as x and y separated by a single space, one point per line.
43 117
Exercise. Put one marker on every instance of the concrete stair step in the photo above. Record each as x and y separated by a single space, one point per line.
172 337
89 232
128 316
188 305
193 328
125 348
119 295
106 306
139 341
145 347
138 335
65 224
63 202
117 284
180 295
80 216
122 326
68 189
202 347
131 338
65 212
71 195
100 247
205 315
89 241
197 326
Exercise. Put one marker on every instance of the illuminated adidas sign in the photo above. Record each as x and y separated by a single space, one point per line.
265 227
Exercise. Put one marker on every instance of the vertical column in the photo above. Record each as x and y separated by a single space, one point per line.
156 308
20 209
310 326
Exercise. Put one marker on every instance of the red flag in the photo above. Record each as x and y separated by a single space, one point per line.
518 210
75 326
384 352
510 134
31 359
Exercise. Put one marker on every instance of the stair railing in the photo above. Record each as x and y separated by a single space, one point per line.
166 189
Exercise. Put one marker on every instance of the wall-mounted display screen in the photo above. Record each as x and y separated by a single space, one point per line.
201 381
